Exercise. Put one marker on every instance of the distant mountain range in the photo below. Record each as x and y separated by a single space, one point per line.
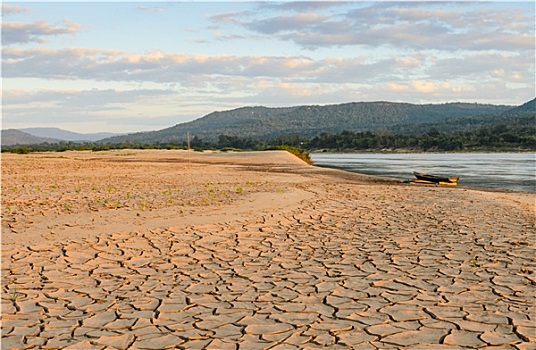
265 123
27 136
11 137
60 134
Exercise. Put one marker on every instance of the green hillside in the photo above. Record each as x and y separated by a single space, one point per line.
262 123
512 130
521 116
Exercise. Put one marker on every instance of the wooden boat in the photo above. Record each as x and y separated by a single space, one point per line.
416 181
442 180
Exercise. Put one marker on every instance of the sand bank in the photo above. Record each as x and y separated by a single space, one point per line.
156 249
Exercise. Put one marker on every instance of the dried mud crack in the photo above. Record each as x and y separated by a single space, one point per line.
325 262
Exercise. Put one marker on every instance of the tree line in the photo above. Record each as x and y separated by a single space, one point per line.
498 138
495 138
486 138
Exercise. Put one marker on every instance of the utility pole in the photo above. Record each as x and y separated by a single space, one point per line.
188 149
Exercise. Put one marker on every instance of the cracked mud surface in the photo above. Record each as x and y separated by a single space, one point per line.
299 258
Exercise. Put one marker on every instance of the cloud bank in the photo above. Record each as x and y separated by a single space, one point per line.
406 25
23 33
303 53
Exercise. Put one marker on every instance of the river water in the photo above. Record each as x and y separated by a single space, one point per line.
511 171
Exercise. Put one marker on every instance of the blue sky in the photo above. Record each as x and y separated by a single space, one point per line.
126 67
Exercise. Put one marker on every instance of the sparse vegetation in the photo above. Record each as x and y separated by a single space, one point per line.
298 152
73 187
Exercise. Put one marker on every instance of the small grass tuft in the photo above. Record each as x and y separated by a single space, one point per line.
14 295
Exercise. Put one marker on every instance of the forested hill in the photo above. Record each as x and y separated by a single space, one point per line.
527 107
264 123
520 116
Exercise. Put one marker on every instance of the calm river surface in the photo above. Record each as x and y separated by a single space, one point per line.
513 171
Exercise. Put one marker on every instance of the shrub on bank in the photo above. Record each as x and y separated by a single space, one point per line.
297 151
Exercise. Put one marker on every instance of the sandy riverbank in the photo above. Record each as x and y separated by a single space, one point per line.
155 249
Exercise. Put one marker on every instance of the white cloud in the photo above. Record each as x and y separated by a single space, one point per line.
42 107
187 71
23 33
155 9
84 99
216 73
484 66
300 6
430 25
8 9
113 65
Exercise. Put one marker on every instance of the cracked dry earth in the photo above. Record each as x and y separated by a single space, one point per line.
349 265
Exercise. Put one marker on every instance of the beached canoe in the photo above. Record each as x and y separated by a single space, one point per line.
417 181
436 178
